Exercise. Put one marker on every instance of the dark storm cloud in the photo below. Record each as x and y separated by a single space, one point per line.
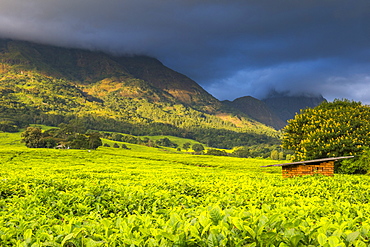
232 48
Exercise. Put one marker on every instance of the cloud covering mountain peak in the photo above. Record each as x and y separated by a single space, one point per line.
232 48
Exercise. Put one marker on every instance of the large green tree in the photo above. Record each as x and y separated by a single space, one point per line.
332 129
33 137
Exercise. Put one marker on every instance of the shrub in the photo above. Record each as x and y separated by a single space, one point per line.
359 165
198 148
216 152
124 146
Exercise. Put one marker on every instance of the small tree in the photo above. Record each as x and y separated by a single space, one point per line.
165 142
124 146
117 137
145 140
186 146
274 155
94 140
198 148
281 155
151 143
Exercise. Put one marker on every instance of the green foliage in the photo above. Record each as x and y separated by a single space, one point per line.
186 146
149 197
117 137
275 155
124 146
66 136
78 141
197 148
282 156
333 129
261 151
33 137
8 126
216 152
359 165
130 139
242 152
165 142
94 140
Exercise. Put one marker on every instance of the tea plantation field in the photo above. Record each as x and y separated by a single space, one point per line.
154 197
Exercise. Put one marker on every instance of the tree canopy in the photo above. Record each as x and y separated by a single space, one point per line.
332 129
34 137
198 147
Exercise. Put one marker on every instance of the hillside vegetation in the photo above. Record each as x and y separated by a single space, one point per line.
134 95
258 110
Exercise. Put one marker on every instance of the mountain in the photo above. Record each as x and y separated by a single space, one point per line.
177 85
137 76
276 109
286 106
129 94
257 110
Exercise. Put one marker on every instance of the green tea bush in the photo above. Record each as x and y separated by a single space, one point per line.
152 197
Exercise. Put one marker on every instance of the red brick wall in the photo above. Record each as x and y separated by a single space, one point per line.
324 168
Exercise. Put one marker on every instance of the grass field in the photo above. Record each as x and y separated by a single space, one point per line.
154 197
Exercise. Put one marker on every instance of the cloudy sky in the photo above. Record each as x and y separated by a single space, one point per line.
232 48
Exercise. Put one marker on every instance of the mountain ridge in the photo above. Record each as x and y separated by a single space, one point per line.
46 84
257 110
275 109
285 106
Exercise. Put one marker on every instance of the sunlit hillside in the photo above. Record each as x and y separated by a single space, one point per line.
135 95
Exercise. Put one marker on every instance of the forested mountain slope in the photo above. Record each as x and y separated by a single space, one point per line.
258 110
137 95
276 109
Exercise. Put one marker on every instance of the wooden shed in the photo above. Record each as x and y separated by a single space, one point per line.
310 167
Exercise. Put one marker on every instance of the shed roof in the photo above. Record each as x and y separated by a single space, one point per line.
311 161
